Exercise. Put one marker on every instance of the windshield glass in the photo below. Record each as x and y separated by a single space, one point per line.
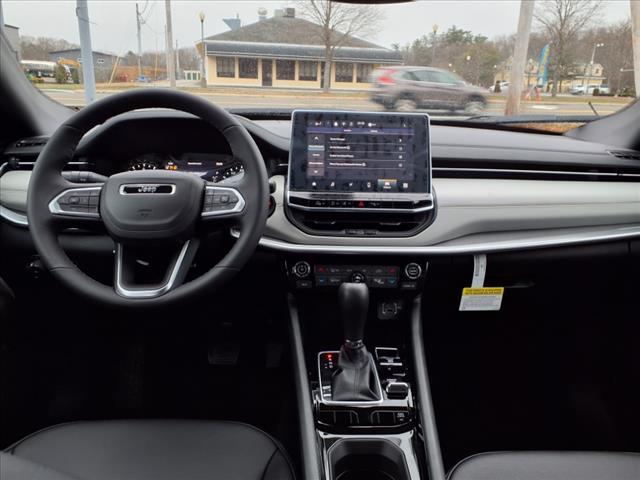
453 59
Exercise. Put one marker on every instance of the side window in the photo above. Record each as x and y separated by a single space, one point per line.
425 76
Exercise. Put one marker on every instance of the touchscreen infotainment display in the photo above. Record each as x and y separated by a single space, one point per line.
359 152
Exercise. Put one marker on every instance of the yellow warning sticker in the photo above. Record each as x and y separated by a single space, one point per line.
481 299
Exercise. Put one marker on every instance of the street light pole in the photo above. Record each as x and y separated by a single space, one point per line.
138 21
593 53
203 53
433 53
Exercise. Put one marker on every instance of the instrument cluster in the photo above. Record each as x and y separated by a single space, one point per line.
208 166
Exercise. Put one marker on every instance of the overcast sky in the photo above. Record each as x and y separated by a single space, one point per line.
114 21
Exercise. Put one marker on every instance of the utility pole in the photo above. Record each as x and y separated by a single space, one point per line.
177 61
138 23
171 64
86 52
635 28
203 53
519 57
433 51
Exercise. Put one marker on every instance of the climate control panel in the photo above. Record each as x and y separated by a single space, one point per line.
304 273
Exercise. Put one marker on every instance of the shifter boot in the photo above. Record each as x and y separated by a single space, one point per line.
354 380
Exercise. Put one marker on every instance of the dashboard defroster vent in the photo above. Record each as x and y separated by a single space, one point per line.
626 154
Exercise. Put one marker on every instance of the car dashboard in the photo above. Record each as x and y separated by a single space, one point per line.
492 190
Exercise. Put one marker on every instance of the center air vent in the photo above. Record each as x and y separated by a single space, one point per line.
360 224
626 154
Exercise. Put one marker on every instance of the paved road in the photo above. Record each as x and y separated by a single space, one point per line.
243 99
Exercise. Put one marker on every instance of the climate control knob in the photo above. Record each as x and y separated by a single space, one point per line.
413 271
301 269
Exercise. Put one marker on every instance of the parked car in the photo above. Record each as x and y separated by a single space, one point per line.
504 88
590 90
407 88
143 79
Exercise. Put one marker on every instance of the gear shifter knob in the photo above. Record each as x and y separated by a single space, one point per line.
354 305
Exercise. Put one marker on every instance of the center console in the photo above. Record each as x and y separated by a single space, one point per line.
363 405
359 175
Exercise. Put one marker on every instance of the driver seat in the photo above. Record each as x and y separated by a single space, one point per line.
147 450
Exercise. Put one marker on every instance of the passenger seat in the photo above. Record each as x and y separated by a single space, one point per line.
546 465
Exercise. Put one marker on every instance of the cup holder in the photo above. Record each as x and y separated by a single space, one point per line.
367 459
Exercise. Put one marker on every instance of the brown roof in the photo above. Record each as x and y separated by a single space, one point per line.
286 30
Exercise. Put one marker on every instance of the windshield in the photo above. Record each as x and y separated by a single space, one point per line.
453 59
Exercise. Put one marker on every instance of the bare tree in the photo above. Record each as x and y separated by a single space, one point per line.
339 22
562 21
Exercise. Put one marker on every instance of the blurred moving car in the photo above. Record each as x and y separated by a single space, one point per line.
590 90
408 88
504 88
143 79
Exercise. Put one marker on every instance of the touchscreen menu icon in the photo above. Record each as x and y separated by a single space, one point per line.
315 155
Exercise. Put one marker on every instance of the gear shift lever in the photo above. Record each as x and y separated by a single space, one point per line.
354 305
355 378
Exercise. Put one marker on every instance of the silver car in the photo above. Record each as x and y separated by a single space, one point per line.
408 88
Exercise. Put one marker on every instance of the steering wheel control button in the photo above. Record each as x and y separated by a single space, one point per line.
221 200
77 201
413 271
302 269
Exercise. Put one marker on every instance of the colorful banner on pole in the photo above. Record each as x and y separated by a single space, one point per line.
543 66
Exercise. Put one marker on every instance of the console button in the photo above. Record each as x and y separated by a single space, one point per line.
303 284
397 390
413 271
301 269
401 417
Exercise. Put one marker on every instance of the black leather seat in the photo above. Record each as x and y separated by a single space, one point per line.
148 450
548 466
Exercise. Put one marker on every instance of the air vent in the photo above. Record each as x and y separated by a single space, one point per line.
32 142
626 154
360 224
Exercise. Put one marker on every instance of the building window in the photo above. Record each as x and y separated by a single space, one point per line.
248 67
344 72
285 70
100 61
226 67
308 71
363 72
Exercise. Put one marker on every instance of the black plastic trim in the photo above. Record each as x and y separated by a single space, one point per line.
423 394
311 463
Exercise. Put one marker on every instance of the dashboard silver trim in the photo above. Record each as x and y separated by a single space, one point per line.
14 217
480 247
533 172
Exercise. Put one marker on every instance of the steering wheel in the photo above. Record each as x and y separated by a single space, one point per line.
140 208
